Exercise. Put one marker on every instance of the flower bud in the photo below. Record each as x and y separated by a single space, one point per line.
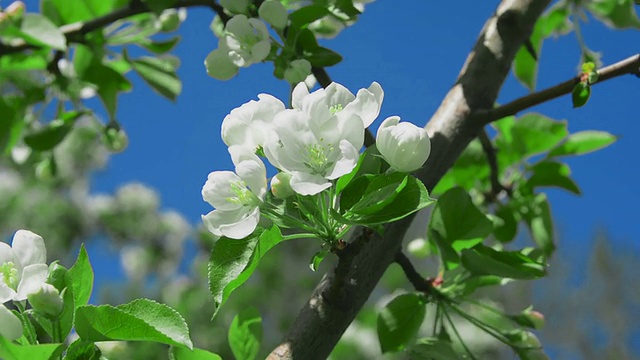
419 248
280 187
170 19
529 318
273 12
46 300
115 139
11 328
15 10
404 146
297 71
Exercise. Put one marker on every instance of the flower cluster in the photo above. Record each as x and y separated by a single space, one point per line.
312 145
23 275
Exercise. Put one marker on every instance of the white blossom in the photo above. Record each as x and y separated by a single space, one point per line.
237 196
11 328
250 124
404 146
22 266
273 12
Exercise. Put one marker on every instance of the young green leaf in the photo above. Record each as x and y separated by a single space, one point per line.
321 57
139 320
619 14
508 228
37 30
583 142
483 260
11 351
433 348
306 15
245 334
48 137
580 94
160 74
83 350
459 221
233 261
551 173
182 353
81 275
399 321
540 222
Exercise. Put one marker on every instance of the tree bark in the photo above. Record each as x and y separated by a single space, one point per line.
342 292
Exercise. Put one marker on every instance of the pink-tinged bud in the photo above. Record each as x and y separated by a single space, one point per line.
15 10
280 187
529 318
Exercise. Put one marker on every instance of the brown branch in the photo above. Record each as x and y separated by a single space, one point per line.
75 32
630 65
419 283
494 174
320 324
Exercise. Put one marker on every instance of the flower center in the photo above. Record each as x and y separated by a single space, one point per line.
10 274
243 195
317 158
335 108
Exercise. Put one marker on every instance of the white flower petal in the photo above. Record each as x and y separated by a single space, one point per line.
33 276
11 328
219 65
28 248
6 293
6 254
308 184
348 160
232 224
217 190
367 104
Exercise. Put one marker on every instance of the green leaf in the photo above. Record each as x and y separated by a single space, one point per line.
245 334
160 74
412 197
233 261
317 258
583 142
380 192
306 15
133 30
37 30
48 137
482 260
20 61
530 135
69 11
540 222
11 351
399 321
432 348
12 123
470 170
139 320
159 47
459 221
346 6
181 353
507 230
580 94
83 350
81 275
551 173
368 163
619 14
449 257
321 56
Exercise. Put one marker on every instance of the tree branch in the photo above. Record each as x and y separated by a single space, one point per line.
76 31
630 65
320 324
419 283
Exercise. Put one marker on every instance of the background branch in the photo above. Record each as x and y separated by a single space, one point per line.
76 31
320 324
419 283
630 65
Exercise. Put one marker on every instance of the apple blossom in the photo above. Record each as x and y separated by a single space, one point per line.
336 99
404 146
250 124
237 196
273 12
246 41
46 300
11 328
22 266
314 149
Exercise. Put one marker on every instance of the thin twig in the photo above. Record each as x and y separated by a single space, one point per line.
75 32
419 283
490 152
630 65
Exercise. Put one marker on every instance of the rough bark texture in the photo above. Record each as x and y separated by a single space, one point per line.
337 299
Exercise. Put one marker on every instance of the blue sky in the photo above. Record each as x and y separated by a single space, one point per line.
415 56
